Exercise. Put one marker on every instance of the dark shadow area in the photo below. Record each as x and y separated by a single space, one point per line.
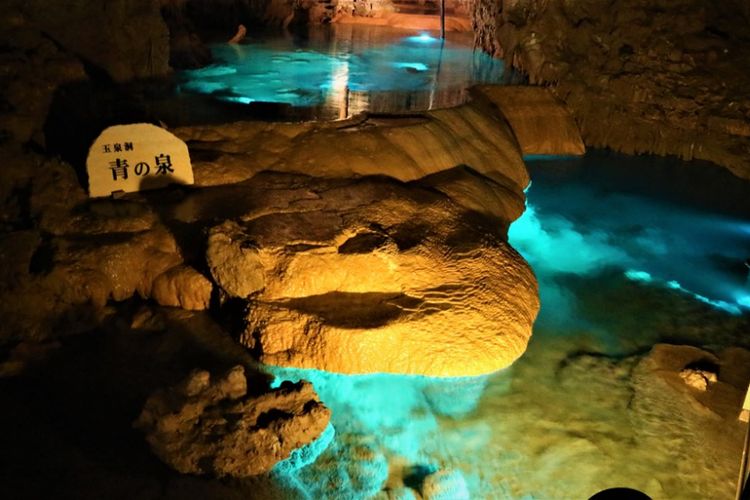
696 184
355 310
68 421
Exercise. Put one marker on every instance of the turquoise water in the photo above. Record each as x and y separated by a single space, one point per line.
341 71
590 228
620 268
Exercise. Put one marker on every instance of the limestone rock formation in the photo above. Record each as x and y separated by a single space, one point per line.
182 286
372 275
542 125
234 261
639 76
406 148
352 467
213 426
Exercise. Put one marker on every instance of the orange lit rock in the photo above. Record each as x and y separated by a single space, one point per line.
182 286
209 425
541 123
408 21
405 148
372 275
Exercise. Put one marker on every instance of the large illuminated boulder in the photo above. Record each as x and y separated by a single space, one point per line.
373 275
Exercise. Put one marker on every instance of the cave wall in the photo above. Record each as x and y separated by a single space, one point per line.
640 76
127 39
50 48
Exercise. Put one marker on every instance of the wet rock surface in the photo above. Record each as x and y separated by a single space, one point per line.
639 76
209 425
405 147
363 276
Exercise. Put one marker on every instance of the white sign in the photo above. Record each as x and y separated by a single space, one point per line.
745 413
136 157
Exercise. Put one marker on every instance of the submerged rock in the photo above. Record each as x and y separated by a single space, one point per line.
445 485
213 426
372 275
350 468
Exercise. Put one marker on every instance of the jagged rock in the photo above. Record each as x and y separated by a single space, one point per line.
445 485
212 426
186 49
666 412
182 286
372 275
24 355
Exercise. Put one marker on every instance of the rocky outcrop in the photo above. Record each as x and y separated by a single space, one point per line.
214 426
639 76
372 275
63 256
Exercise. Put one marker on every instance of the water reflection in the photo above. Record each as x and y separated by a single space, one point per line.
345 70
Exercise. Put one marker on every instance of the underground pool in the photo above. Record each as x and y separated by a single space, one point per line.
621 269
343 70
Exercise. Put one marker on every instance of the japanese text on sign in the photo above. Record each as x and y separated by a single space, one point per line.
135 157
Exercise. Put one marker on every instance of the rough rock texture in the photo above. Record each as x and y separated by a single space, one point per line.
127 39
542 125
372 275
211 426
352 467
663 77
64 256
445 485
225 15
182 286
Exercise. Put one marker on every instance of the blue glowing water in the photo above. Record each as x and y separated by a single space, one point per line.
582 229
522 433
345 72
